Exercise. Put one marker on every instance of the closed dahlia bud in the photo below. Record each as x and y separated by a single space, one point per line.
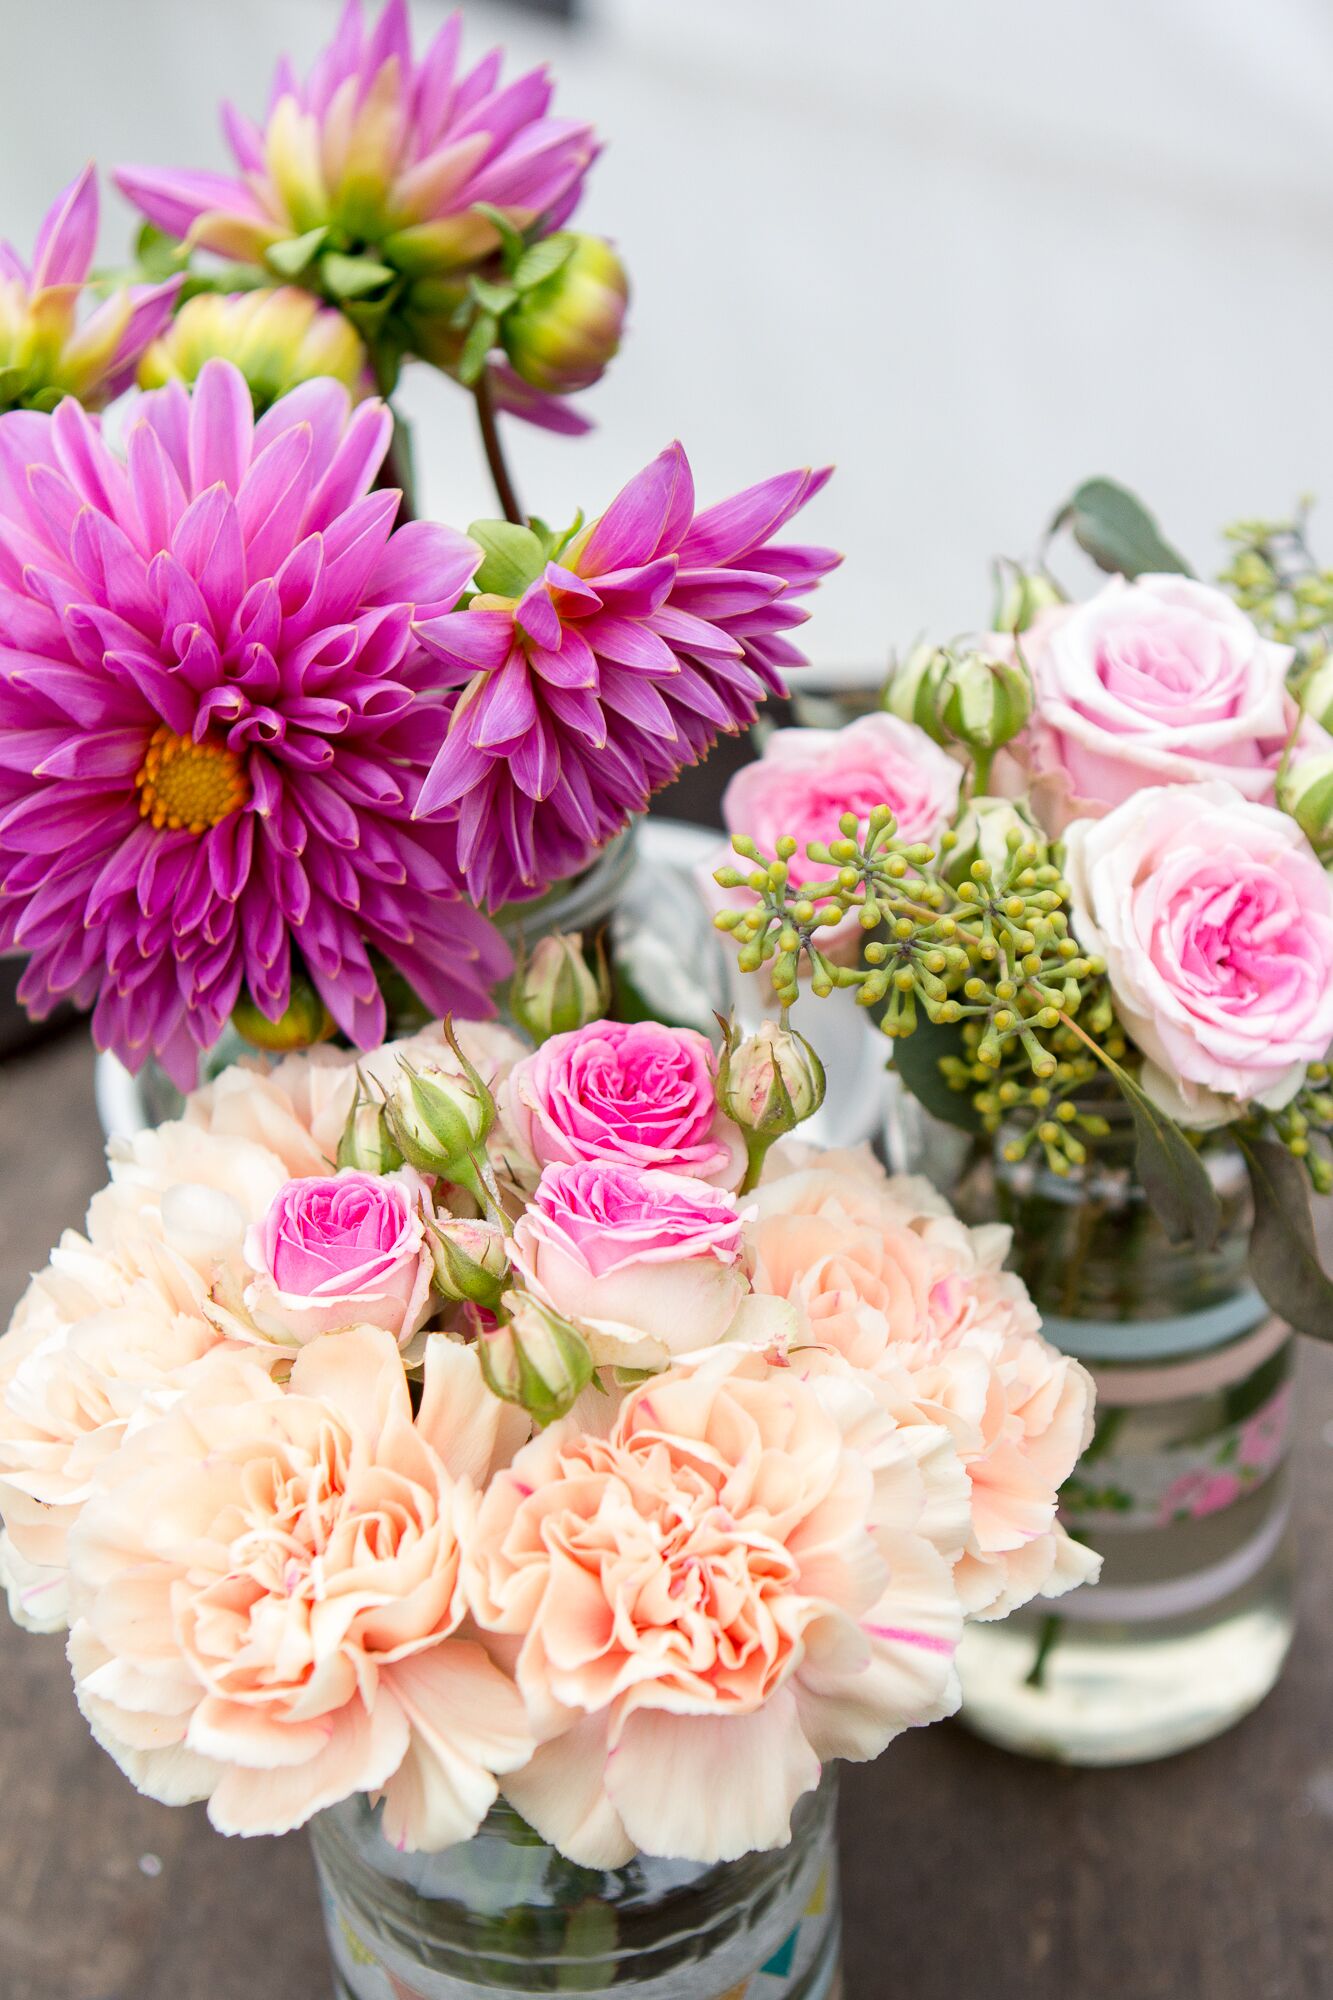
367 1142
304 1021
770 1082
556 990
562 332
471 1259
277 337
535 1358
1306 792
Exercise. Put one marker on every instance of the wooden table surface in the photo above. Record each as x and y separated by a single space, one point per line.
968 1873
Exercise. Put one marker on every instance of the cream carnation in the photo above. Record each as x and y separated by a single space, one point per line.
709 1602
880 1272
266 1596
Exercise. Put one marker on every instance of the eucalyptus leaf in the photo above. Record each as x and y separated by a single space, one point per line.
297 253
1183 1198
1117 531
514 557
482 336
542 261
1284 1257
917 1057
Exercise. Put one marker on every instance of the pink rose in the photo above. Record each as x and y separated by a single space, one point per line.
341 1250
649 1264
1159 682
1216 924
807 778
638 1093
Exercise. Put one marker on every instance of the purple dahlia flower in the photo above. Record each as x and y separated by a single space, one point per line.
215 720
577 697
44 352
382 153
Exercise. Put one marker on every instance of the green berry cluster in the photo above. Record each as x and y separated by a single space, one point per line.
991 953
1276 580
1305 1126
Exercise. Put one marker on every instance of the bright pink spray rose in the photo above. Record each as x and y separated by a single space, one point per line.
649 1264
637 1093
1163 681
341 1250
1216 924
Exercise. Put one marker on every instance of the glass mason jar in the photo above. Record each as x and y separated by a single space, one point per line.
1184 1490
504 1915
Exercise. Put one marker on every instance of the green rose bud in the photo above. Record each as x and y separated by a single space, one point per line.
556 990
304 1021
367 1142
1316 693
535 1358
1022 597
768 1084
565 329
471 1259
441 1120
1305 791
913 690
984 701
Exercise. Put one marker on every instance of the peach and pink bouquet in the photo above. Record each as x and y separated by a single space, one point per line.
473 1418
1085 853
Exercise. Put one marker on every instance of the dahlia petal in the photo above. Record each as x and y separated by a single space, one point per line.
113 567
733 527
244 137
469 639
577 709
103 754
505 708
323 404
535 761
174 199
208 545
538 616
639 591
574 666
646 516
424 564
352 469
630 644
67 238
692 635
151 308
638 701
275 488
159 495
85 460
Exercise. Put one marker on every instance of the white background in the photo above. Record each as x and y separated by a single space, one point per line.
971 251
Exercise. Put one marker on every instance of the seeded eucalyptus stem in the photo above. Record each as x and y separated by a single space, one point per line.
490 437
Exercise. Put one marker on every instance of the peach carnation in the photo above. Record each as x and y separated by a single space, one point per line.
881 1272
709 1602
266 1596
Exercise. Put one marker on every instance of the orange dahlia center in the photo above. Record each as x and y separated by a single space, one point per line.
187 784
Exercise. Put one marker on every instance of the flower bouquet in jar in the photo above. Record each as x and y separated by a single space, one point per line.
535 1469
1076 871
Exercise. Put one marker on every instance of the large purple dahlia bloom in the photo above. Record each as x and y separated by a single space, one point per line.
215 720
381 153
616 665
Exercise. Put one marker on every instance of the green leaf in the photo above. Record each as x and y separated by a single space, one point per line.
514 557
482 336
353 277
159 255
916 1058
512 245
289 259
1182 1197
495 298
1284 1258
542 261
1117 531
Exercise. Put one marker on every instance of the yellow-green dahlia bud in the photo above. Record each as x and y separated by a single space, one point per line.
535 1358
471 1259
277 337
304 1021
561 334
770 1082
367 1142
556 990
1306 792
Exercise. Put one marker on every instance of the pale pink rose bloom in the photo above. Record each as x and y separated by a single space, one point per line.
1163 681
650 1265
1216 924
91 1349
709 1601
267 1600
806 779
342 1250
880 1272
637 1093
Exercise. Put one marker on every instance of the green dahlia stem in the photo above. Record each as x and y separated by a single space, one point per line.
495 458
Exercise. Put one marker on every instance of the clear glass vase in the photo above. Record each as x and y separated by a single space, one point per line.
1184 1489
504 1915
